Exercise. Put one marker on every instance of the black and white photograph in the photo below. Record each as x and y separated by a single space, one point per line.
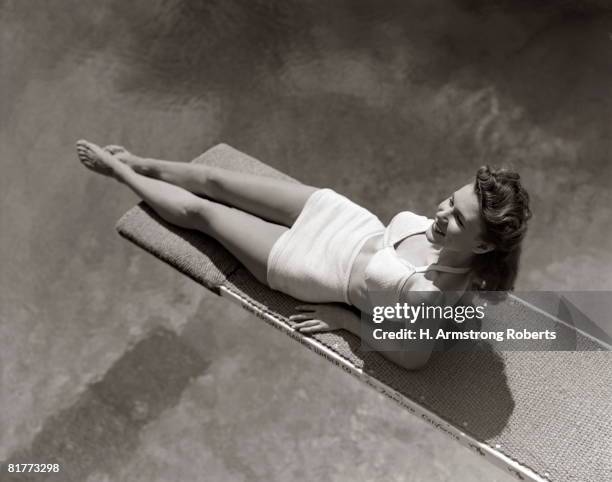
264 240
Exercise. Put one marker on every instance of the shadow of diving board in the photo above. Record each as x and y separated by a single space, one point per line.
544 415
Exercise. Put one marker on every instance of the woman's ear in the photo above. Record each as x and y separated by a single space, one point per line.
483 247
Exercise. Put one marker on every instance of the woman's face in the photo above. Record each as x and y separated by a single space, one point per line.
457 225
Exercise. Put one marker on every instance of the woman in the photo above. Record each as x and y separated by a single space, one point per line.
319 246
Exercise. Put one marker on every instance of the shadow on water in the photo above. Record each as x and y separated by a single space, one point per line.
102 427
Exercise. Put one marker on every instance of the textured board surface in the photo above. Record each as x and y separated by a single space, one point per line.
539 414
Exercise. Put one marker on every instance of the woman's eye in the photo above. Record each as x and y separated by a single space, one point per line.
452 203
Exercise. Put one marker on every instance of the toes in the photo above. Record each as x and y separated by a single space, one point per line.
82 143
88 146
83 153
95 151
83 147
91 156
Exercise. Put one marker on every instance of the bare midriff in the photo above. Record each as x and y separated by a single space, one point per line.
357 290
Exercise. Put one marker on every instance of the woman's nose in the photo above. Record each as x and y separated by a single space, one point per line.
444 211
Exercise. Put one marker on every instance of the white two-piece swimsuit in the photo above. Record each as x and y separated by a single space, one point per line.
313 260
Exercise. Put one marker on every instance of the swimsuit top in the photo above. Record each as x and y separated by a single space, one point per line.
386 273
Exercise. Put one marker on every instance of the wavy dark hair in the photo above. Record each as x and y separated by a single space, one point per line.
504 210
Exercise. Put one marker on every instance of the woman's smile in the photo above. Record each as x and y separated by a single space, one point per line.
436 228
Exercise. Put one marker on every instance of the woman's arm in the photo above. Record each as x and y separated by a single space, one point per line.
404 355
329 317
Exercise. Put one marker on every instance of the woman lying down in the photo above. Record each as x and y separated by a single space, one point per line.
318 246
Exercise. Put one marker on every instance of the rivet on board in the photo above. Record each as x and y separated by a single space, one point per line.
336 345
465 424
422 397
497 446
546 474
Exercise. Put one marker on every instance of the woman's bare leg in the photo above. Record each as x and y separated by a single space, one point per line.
276 200
178 206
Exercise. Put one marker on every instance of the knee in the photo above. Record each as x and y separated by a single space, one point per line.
216 182
197 213
205 215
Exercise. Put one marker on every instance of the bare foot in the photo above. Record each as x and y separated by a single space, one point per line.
125 156
114 149
97 159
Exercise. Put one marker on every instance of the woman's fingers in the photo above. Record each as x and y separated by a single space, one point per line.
304 324
309 325
313 329
301 317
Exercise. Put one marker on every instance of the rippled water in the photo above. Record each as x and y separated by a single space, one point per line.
393 107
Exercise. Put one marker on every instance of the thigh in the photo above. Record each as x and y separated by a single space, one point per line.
276 200
248 237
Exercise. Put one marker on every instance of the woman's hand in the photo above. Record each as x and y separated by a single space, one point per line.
318 318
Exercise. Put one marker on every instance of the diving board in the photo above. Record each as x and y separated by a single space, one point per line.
537 415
